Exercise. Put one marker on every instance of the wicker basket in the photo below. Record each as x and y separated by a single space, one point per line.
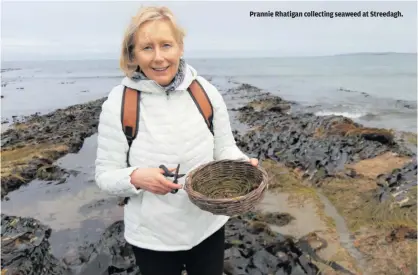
208 185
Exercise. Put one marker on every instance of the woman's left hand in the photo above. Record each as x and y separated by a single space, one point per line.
253 161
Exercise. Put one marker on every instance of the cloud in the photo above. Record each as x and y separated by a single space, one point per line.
10 42
91 28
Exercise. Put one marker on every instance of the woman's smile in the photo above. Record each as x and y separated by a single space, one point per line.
161 69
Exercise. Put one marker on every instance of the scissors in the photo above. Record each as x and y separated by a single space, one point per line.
170 174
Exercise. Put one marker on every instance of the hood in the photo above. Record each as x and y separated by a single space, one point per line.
150 86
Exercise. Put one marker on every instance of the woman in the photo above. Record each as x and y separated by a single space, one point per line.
167 232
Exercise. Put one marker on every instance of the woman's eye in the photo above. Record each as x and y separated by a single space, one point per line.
147 48
166 45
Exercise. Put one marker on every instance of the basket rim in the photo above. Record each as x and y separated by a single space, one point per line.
263 184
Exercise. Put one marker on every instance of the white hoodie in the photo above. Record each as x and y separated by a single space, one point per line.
171 131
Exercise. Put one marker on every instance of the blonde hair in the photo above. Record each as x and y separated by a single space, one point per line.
145 14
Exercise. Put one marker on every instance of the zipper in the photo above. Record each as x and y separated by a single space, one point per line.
168 92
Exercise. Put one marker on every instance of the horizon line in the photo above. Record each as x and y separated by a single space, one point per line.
224 57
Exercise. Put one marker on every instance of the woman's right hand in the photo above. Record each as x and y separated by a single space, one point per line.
153 180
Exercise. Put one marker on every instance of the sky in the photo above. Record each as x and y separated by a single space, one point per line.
79 29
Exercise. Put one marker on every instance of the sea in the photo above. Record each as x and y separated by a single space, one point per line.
376 90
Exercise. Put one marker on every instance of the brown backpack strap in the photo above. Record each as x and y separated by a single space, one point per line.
202 102
130 120
129 113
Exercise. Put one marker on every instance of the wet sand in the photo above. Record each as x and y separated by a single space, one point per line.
311 222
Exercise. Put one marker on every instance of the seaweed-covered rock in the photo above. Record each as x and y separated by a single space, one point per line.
30 147
69 126
111 255
320 146
400 184
25 249
249 250
256 250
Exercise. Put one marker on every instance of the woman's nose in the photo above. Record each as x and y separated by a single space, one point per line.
158 56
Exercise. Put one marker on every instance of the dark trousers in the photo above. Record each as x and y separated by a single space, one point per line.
207 258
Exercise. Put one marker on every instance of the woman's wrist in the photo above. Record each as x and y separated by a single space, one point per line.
132 178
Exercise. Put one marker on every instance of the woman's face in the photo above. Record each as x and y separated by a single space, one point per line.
157 52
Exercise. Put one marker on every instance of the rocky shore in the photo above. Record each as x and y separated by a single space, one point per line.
368 174
322 147
31 146
250 248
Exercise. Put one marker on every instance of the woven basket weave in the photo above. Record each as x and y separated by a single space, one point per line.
208 184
